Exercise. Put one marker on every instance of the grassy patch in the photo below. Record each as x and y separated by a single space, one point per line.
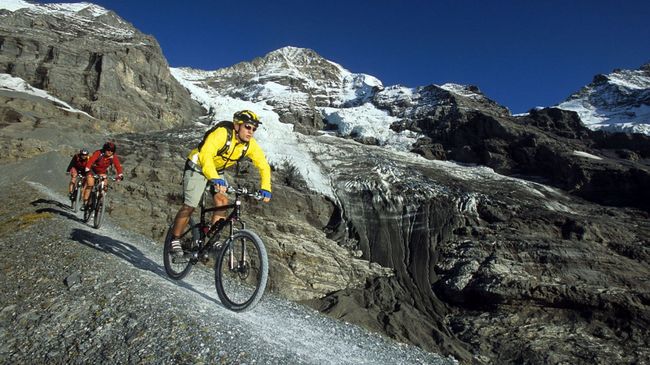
23 221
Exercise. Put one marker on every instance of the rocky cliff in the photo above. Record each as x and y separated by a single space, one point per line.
94 60
487 260
550 146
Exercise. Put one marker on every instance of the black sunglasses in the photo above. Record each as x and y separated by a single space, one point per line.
250 127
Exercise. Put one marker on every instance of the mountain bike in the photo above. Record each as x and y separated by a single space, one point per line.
241 265
97 201
75 196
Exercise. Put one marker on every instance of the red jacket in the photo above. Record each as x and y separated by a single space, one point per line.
99 163
77 163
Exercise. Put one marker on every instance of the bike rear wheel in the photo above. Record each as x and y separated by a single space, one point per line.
178 267
99 210
241 271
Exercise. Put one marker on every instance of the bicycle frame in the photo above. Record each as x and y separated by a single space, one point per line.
234 216
212 234
99 188
79 180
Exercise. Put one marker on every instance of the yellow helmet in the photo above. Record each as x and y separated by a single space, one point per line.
246 116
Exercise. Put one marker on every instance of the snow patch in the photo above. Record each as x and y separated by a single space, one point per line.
10 83
13 5
367 121
461 90
62 8
586 155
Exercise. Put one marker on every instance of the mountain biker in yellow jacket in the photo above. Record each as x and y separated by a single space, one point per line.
211 163
220 148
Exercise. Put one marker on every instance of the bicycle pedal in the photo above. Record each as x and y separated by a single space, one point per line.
180 260
205 257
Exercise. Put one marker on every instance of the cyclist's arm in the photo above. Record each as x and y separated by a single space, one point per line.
118 166
256 154
92 159
213 143
70 165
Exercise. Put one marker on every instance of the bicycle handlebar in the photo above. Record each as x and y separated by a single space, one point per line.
244 192
104 177
241 191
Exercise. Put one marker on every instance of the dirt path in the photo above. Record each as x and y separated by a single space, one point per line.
71 293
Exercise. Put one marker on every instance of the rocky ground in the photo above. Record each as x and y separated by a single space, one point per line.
73 294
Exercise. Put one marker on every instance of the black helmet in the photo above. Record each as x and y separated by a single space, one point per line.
246 116
109 146
83 152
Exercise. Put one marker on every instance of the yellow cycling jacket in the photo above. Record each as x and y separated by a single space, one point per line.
211 163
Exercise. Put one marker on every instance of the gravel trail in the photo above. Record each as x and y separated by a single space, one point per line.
74 294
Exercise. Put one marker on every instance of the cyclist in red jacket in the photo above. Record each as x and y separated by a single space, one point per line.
77 166
98 164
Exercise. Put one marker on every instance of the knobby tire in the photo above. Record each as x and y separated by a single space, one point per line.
89 207
241 288
73 200
99 210
77 200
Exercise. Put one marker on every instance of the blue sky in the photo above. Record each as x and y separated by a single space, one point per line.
520 53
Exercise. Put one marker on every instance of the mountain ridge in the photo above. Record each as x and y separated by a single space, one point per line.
428 214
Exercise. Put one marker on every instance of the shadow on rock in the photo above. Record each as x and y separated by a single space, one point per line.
129 253
50 202
68 215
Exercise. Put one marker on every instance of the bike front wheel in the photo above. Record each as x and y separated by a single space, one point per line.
99 211
77 199
241 271
177 267
89 208
74 203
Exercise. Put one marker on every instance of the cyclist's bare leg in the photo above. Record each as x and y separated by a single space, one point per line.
88 187
73 180
219 200
181 220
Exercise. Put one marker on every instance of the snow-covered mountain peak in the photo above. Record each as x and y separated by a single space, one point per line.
84 9
468 91
629 79
619 101
291 76
295 56
71 20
